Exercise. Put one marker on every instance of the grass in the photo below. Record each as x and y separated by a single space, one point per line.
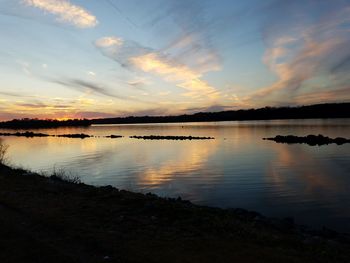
60 174
3 152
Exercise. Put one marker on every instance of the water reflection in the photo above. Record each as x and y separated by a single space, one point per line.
296 161
237 169
188 159
309 186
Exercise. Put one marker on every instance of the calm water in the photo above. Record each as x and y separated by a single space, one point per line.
237 169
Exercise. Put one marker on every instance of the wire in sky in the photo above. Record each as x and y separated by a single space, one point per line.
115 7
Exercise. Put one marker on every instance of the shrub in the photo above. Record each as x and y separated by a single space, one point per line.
3 152
59 174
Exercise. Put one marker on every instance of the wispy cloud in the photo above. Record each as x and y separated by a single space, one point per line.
87 86
185 57
109 42
25 66
136 57
93 114
305 54
41 105
172 72
15 94
139 83
324 96
91 73
121 50
193 43
65 11
58 107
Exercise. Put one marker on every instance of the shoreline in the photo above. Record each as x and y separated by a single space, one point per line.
315 111
93 124
75 222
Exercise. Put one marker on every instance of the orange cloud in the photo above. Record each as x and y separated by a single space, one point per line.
108 42
181 74
65 11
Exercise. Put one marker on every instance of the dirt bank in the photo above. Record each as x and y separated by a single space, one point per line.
50 220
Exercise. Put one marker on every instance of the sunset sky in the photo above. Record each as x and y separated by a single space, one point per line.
106 58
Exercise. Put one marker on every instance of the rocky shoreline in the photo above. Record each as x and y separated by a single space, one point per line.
52 219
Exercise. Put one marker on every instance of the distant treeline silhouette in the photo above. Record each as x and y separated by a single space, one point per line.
48 123
331 110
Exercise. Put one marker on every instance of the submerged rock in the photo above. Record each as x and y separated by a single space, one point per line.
114 136
79 135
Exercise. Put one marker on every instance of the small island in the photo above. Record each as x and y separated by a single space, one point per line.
312 140
159 137
77 135
27 134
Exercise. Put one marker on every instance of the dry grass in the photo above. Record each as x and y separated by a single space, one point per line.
60 174
3 152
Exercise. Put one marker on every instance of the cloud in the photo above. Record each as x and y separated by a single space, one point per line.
66 12
121 50
172 72
92 114
325 96
25 66
48 107
91 73
14 94
194 41
41 105
152 62
108 42
136 57
187 55
86 86
139 82
305 54
342 66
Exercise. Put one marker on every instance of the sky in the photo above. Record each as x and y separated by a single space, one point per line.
107 58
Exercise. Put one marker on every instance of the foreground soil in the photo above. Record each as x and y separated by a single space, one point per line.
49 220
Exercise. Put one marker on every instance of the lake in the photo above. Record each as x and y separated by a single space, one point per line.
237 169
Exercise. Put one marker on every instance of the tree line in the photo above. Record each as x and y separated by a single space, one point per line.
331 110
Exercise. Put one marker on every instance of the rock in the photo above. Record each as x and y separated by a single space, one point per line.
310 139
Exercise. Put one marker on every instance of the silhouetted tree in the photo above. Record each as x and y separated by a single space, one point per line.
334 110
